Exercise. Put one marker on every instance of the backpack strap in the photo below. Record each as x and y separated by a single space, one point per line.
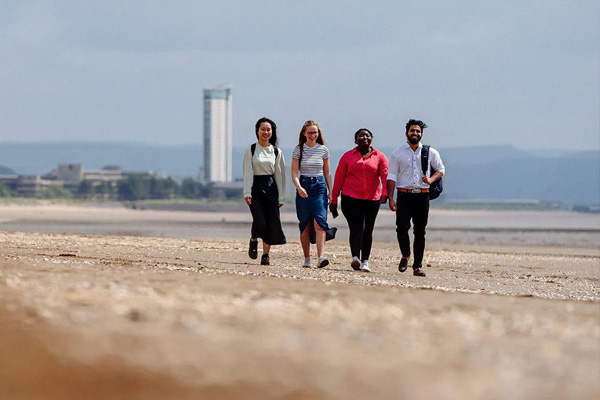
424 159
253 149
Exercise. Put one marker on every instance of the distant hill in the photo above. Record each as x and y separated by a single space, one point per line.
487 172
6 171
571 180
40 158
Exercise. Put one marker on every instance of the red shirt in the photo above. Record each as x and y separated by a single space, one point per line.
361 178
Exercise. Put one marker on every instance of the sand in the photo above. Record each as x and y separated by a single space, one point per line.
118 316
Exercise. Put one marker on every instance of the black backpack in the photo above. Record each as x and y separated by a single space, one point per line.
436 188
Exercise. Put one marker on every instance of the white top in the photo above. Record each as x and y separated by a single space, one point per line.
312 159
405 167
264 163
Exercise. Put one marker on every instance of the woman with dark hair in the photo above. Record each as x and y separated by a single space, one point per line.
264 189
361 178
312 177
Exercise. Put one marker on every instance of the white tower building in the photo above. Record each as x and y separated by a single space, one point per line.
217 134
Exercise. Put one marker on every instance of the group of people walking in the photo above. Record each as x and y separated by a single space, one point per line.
364 178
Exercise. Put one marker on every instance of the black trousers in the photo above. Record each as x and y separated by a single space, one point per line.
361 215
415 207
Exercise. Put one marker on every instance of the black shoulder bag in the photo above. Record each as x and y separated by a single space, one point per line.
436 188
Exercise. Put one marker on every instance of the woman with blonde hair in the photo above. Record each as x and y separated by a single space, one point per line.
312 177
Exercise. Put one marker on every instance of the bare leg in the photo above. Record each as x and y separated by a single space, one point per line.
305 240
266 248
320 239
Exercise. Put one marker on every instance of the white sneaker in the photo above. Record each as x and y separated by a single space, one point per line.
364 266
323 262
355 264
306 262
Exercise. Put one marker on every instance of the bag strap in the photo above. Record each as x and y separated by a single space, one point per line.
424 159
253 149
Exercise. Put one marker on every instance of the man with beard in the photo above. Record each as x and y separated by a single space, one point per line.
406 175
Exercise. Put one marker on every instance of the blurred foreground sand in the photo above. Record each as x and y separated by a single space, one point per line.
95 317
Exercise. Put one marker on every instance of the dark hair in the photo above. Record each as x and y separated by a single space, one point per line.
418 122
359 131
302 138
273 138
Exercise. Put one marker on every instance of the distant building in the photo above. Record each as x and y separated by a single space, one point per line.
217 134
32 185
98 184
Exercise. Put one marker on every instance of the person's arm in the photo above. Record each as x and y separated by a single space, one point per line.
383 173
391 186
248 176
327 175
296 180
437 165
340 177
391 179
280 176
430 179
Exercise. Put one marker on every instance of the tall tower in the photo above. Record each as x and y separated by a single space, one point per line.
217 134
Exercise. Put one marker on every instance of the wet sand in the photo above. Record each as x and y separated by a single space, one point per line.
114 316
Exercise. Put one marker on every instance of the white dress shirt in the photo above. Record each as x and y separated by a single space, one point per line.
405 167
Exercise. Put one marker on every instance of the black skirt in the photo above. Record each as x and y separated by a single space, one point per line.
266 221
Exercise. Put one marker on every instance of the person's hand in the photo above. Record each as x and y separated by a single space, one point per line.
329 198
281 205
333 209
248 200
383 199
302 192
427 180
392 204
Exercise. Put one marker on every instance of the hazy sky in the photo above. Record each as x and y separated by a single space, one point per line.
478 72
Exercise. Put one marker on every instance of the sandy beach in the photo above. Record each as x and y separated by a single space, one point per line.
108 302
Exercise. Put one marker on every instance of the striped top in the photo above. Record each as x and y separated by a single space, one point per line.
312 159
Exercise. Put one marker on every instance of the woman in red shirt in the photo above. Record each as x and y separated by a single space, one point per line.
361 178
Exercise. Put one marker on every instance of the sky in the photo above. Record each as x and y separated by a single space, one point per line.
520 72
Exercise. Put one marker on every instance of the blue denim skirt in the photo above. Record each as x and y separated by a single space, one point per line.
313 207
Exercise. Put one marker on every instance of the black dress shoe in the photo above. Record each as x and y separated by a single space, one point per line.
264 259
253 249
418 271
403 264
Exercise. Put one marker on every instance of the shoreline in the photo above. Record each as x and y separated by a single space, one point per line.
514 229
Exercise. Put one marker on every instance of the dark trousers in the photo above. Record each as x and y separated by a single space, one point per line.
415 207
266 220
360 215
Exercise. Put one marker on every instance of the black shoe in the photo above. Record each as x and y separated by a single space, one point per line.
253 249
418 271
403 264
264 259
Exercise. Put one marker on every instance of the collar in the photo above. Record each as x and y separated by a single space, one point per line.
407 146
355 150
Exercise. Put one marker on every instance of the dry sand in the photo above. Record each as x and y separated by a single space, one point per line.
134 317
